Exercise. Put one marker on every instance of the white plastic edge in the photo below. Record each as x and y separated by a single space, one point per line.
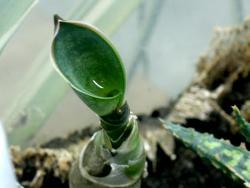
7 177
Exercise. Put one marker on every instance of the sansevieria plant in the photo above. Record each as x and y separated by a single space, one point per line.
86 59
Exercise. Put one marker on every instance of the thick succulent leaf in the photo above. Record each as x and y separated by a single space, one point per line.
232 160
90 64
12 13
244 125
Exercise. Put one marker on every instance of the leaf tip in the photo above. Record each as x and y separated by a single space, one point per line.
235 108
57 20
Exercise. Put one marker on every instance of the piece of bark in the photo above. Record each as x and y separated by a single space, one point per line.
33 165
221 80
50 163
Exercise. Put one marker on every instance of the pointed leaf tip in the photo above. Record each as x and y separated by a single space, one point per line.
57 19
235 109
243 124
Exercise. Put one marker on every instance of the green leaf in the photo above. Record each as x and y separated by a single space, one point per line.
37 100
244 125
232 160
12 12
90 64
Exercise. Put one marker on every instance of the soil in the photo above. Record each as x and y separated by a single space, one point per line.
187 170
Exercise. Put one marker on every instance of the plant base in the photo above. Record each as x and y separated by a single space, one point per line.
108 173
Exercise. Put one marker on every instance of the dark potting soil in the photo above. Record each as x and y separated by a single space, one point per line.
187 171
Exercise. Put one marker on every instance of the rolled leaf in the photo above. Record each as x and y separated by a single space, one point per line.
115 155
243 124
90 64
232 160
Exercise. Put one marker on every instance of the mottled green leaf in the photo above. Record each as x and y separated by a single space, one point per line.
90 64
12 13
47 85
232 160
244 125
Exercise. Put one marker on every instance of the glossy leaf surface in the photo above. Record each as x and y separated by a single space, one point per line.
90 64
232 160
47 85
